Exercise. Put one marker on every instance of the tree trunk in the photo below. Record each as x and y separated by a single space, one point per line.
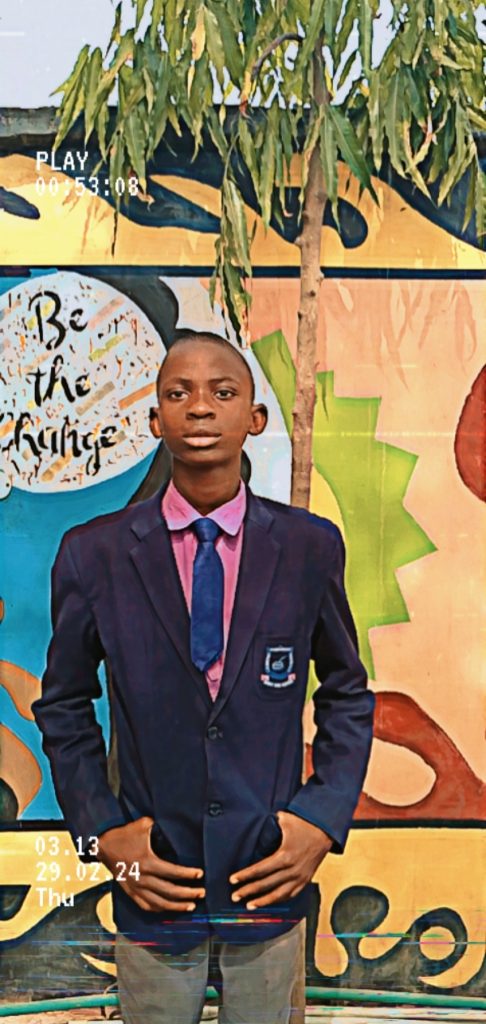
308 317
308 314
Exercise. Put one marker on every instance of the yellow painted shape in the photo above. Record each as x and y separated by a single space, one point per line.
400 776
100 965
22 686
418 870
80 230
30 323
97 353
437 943
18 768
322 501
104 912
19 866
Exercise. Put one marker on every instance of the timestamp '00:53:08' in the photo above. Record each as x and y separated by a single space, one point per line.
81 184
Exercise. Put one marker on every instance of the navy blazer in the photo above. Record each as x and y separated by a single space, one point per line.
212 775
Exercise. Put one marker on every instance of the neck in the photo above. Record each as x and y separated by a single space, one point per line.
206 490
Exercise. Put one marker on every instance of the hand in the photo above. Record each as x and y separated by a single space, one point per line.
289 869
155 889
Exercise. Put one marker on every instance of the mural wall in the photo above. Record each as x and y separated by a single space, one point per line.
398 453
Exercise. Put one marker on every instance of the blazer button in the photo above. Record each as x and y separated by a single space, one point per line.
215 809
213 732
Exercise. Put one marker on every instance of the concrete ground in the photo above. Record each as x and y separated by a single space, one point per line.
314 1015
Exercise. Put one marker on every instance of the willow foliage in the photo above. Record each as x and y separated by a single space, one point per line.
418 104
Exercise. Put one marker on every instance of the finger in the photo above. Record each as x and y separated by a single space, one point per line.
167 869
281 893
170 889
262 885
159 903
258 869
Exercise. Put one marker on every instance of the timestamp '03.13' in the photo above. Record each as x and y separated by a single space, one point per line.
94 185
50 869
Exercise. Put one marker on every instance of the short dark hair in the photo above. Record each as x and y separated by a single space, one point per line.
186 334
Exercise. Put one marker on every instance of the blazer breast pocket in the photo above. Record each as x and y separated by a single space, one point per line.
275 666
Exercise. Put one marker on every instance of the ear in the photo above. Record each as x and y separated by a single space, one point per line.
154 423
259 414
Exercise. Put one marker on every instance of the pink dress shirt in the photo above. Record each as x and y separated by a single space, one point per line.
179 514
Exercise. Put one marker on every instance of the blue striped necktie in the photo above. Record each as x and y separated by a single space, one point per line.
207 636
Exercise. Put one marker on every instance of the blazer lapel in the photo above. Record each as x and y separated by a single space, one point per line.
155 562
259 557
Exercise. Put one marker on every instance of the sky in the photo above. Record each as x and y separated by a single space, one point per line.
40 40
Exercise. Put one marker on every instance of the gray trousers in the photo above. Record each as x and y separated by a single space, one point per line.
263 983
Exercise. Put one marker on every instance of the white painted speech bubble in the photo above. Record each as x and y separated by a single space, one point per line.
79 362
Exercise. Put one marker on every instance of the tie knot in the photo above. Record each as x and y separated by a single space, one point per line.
206 529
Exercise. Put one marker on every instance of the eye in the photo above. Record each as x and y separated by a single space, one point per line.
226 391
175 391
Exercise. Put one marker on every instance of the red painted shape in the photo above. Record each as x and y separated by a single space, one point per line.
457 792
470 440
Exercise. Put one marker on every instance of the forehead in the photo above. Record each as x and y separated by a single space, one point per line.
201 359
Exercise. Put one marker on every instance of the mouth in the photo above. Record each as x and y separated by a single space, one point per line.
201 440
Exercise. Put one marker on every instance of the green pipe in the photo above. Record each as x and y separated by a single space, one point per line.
323 995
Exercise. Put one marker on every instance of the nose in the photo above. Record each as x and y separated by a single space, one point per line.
200 404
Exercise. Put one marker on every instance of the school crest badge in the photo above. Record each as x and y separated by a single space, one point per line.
278 665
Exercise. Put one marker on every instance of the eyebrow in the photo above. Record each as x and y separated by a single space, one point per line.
188 381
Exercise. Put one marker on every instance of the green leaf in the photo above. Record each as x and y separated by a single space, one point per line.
92 81
343 71
350 150
135 140
329 161
267 169
214 44
289 141
122 55
480 202
229 40
70 109
365 34
346 27
471 198
417 91
477 118
200 98
149 89
115 32
248 151
411 162
460 159
217 134
377 98
173 118
141 4
236 298
76 73
157 9
235 211
331 14
313 30
394 121
117 167
101 126
158 116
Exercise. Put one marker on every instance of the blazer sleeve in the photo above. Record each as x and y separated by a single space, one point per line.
343 715
71 736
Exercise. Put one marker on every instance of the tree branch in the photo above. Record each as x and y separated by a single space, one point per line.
270 48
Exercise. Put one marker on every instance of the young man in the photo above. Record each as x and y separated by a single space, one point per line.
208 603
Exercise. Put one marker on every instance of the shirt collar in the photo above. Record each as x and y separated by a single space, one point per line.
179 513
